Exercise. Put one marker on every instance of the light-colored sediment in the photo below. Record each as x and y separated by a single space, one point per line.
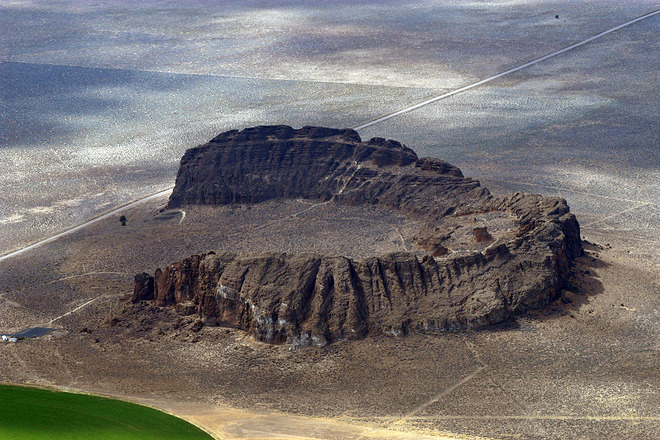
232 424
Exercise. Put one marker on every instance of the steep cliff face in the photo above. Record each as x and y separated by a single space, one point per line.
305 299
315 299
275 162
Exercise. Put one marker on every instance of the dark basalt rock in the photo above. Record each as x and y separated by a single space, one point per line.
305 299
481 235
144 287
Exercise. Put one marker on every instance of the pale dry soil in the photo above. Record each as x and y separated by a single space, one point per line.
586 367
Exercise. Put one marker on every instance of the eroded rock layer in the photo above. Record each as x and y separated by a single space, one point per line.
307 299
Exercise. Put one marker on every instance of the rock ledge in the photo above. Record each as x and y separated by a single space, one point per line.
312 299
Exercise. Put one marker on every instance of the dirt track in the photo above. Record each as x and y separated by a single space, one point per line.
233 424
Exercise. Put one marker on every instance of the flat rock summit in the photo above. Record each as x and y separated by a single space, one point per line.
478 260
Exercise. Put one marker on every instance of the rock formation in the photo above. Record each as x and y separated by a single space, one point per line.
481 234
305 299
144 287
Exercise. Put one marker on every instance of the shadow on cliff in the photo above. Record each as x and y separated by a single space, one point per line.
583 283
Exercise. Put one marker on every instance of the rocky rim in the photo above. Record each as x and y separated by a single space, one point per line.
480 260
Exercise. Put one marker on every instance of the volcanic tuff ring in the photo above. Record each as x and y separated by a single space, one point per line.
306 298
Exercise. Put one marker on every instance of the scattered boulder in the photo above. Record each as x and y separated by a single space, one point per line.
144 287
481 234
440 250
185 308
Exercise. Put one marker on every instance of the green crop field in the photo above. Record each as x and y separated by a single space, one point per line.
31 413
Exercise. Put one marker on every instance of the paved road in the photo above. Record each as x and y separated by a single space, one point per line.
114 212
506 72
357 127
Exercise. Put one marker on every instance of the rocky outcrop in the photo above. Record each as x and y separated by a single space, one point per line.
305 299
275 162
144 287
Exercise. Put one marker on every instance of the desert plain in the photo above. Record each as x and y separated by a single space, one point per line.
99 102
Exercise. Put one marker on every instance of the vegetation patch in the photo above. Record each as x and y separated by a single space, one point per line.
43 414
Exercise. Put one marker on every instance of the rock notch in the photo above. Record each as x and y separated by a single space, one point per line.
463 275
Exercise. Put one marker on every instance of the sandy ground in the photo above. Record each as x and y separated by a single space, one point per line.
231 423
